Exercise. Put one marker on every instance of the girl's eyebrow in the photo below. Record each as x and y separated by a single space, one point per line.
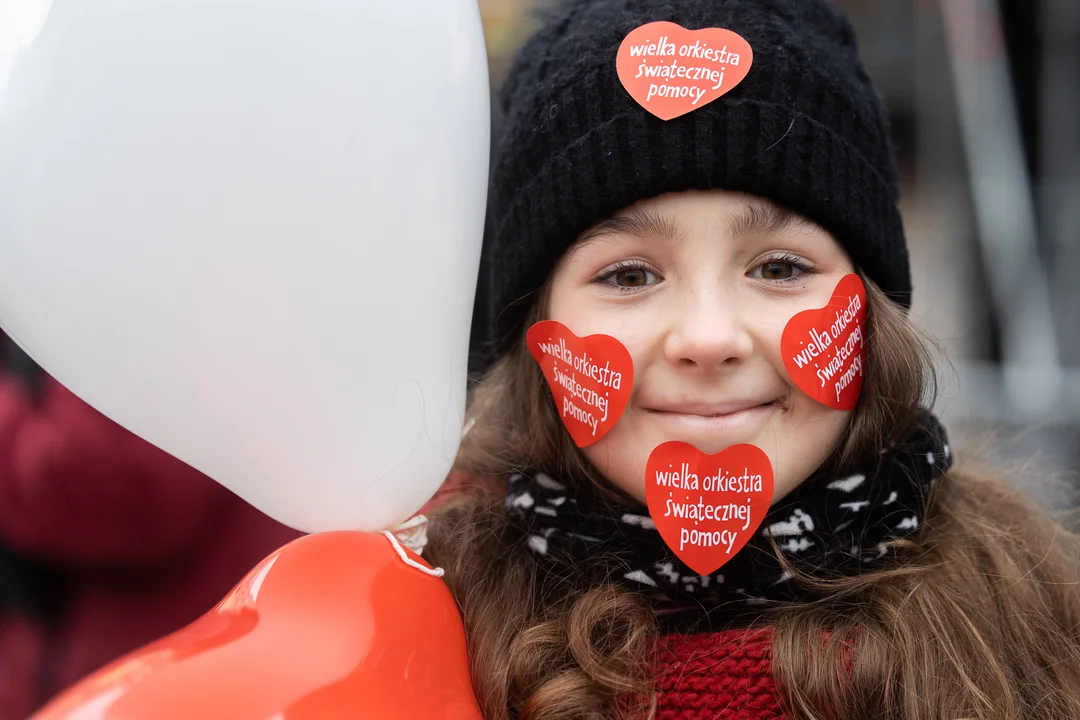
638 223
642 224
763 218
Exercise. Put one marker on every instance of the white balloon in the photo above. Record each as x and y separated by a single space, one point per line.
249 231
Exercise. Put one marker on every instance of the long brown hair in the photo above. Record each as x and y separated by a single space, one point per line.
978 618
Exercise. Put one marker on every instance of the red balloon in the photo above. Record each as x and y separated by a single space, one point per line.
333 625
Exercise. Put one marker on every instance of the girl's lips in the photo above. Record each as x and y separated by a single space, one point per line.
703 423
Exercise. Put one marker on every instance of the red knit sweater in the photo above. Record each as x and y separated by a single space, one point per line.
717 676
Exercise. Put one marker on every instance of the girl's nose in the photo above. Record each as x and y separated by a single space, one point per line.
707 331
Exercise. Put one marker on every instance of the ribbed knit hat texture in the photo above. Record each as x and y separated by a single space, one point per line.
805 129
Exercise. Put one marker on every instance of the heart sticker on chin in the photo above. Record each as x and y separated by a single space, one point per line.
707 507
824 350
671 71
589 377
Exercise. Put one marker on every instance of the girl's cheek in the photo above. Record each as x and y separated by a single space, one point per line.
767 331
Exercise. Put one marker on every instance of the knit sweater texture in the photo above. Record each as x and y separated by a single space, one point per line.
725 675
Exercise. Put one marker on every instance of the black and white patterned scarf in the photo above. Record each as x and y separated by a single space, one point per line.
829 524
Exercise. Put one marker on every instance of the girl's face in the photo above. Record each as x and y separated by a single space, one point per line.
698 286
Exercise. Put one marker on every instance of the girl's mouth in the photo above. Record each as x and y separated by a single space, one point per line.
701 418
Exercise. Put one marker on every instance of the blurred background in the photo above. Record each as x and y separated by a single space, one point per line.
984 98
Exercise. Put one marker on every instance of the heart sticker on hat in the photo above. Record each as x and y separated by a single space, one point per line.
707 507
589 377
671 71
823 348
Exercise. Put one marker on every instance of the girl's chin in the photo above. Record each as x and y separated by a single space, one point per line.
709 444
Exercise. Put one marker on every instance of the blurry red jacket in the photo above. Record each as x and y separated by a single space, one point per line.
106 542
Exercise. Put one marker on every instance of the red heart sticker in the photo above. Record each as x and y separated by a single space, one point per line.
670 70
707 507
590 378
823 348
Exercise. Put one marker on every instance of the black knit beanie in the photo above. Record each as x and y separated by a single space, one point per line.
805 129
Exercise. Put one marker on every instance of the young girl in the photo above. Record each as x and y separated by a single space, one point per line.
885 581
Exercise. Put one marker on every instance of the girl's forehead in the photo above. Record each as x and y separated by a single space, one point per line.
674 215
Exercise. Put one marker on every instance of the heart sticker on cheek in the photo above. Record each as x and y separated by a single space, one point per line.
707 507
671 71
589 377
823 348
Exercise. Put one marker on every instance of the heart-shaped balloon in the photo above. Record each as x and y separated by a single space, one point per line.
590 378
249 233
671 71
823 348
707 507
333 625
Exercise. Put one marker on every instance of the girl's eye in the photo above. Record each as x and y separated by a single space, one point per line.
633 277
628 277
777 270
786 268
